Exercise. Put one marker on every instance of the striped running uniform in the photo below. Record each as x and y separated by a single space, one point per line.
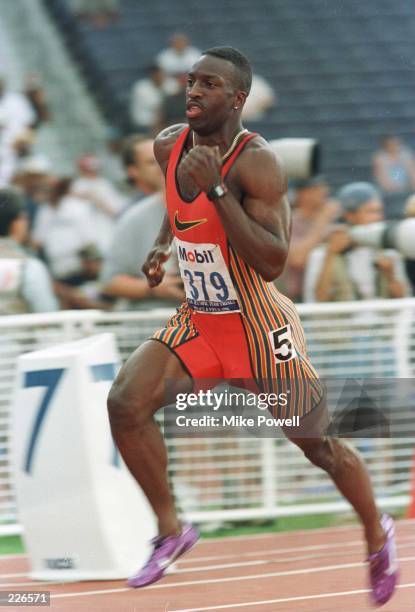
233 324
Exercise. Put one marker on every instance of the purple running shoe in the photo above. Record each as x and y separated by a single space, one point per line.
166 550
383 566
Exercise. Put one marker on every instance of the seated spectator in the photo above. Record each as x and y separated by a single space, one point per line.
173 109
37 100
341 271
135 233
179 57
33 179
394 167
100 13
25 284
62 228
104 201
313 214
261 98
141 168
147 96
15 110
410 263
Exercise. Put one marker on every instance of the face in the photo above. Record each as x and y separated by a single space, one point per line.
315 195
19 229
391 145
145 172
179 42
210 94
370 212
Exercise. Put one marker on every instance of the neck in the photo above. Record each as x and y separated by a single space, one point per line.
222 138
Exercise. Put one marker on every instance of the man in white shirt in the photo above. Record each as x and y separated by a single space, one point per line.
25 284
179 57
147 96
103 199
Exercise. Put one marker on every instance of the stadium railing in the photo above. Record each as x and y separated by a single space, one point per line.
218 479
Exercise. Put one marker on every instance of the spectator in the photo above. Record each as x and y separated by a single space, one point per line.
147 96
15 111
100 13
25 285
173 106
33 179
341 271
142 170
394 167
121 276
64 227
179 57
261 98
37 100
104 200
313 214
410 263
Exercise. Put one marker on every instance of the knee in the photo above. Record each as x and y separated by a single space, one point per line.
127 409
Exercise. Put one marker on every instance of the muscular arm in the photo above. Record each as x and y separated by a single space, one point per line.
259 230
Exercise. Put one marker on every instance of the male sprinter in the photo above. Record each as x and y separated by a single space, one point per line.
228 211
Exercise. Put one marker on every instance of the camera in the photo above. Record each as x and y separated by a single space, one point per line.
301 156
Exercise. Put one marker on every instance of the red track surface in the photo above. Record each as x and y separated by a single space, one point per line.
320 570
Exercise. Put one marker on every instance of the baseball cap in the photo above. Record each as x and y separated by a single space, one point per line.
311 181
353 195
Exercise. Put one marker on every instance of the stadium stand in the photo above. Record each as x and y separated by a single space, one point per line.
343 71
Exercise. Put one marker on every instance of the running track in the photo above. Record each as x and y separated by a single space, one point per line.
319 570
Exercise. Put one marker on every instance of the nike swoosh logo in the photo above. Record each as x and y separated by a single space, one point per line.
183 226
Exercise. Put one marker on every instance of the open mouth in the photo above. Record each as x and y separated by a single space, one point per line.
193 110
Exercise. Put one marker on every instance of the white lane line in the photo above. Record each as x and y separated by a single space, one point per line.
314 547
300 532
203 568
288 599
313 570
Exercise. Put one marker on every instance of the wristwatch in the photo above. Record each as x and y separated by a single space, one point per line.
218 191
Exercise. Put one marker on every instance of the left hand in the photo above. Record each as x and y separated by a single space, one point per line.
203 165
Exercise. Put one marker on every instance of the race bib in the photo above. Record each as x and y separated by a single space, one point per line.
206 278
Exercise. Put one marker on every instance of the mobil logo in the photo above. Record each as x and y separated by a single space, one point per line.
195 255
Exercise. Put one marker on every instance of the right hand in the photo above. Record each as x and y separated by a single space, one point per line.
339 241
170 289
153 266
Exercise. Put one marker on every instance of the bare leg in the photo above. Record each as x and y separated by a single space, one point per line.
349 473
137 393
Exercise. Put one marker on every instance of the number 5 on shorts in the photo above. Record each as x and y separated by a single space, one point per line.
282 344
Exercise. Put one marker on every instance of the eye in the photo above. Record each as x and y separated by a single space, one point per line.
189 82
210 84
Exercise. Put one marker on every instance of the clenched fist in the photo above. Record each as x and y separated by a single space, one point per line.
202 164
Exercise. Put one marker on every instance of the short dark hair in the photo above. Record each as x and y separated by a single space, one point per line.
243 69
12 206
128 149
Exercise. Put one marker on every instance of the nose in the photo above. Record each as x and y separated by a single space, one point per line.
193 91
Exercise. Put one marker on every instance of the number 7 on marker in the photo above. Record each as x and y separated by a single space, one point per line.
40 378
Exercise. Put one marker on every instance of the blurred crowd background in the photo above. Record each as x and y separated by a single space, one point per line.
86 84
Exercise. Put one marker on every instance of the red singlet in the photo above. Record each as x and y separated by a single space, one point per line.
233 324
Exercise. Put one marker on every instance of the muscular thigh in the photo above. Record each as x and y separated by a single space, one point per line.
151 376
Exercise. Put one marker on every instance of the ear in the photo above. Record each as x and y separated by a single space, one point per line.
240 98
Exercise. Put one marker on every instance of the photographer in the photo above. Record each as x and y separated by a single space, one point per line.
340 271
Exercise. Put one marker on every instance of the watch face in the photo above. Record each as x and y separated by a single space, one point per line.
219 190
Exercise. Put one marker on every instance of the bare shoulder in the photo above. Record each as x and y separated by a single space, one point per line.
164 141
258 164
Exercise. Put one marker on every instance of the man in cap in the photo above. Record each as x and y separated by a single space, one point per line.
25 284
340 271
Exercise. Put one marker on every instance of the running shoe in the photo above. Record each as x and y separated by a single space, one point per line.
383 566
165 552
